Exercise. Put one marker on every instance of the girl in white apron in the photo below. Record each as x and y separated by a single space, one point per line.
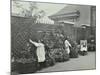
40 52
67 45
83 47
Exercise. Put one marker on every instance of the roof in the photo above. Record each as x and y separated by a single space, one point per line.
74 11
67 9
70 9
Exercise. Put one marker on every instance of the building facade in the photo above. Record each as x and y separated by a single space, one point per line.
77 17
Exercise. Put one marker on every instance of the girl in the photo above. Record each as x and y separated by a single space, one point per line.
67 45
40 52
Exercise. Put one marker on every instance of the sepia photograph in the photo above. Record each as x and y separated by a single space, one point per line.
52 37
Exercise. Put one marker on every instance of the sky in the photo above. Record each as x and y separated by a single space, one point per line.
49 8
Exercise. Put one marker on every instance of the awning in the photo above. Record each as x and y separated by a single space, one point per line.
45 20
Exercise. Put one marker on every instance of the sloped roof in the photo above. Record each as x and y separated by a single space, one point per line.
67 9
71 9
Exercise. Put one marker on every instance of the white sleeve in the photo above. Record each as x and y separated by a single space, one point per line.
35 43
66 42
69 44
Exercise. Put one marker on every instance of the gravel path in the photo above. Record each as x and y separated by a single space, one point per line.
81 63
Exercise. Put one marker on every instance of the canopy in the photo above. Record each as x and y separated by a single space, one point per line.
45 20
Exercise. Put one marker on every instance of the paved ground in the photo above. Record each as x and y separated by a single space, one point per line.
83 62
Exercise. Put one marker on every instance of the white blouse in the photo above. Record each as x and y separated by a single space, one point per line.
40 51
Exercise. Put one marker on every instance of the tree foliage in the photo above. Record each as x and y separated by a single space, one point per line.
31 11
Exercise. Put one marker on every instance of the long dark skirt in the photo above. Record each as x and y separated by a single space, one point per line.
73 53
